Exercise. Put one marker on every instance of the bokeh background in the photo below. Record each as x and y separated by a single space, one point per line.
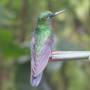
72 31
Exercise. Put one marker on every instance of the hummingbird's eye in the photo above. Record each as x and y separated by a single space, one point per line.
51 15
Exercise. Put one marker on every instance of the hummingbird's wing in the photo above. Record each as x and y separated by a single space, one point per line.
39 62
42 58
35 80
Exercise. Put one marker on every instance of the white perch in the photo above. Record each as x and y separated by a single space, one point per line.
62 56
69 55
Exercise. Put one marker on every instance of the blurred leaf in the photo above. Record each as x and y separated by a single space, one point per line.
7 46
6 16
5 37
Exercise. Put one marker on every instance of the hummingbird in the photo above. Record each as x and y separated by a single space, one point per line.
41 45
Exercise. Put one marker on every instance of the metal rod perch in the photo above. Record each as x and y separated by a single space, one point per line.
62 56
69 55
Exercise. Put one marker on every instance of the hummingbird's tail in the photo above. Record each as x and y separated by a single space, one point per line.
36 80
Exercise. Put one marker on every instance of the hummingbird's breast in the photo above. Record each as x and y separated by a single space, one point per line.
42 35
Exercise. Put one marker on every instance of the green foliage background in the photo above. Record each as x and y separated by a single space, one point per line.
72 30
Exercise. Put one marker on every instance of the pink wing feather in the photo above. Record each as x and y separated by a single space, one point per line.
38 63
43 58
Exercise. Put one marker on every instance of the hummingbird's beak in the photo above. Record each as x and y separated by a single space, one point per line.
59 12
56 13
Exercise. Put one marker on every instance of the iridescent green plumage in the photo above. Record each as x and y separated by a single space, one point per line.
42 32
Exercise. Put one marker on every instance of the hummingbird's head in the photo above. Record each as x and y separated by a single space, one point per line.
47 15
